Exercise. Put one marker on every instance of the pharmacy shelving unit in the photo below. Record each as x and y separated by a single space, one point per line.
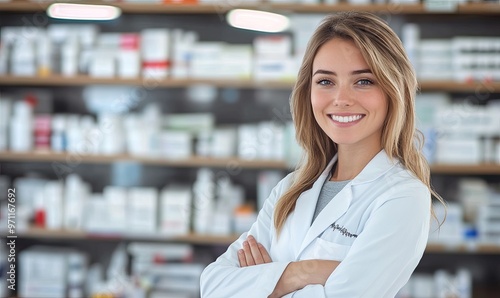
55 81
191 162
196 161
490 254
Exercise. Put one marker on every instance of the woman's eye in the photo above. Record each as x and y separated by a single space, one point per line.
324 82
364 82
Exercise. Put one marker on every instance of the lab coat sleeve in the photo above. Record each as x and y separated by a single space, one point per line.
385 253
225 278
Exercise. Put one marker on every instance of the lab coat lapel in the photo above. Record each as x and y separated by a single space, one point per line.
304 209
332 211
380 164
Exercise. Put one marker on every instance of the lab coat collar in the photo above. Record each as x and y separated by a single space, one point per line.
305 205
378 166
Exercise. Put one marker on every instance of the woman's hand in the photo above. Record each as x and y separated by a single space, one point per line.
253 253
299 274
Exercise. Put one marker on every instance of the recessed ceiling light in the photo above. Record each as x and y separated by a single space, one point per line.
257 20
71 11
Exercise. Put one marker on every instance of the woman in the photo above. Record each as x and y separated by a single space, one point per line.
353 220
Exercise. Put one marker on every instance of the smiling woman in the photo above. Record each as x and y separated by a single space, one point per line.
353 219
348 103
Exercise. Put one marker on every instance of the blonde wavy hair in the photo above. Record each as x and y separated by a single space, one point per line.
384 53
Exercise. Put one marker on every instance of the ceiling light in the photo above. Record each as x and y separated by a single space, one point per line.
257 20
70 11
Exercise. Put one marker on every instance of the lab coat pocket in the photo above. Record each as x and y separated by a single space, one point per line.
326 250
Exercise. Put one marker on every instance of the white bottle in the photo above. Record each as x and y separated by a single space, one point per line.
203 205
58 140
5 111
21 127
463 282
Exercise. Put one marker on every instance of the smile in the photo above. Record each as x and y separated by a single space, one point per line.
346 119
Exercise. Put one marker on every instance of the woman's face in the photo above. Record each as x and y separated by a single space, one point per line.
347 101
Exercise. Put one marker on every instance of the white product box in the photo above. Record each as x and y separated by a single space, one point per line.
103 63
155 51
142 210
466 150
116 198
23 58
35 280
236 62
223 143
175 144
248 143
451 231
468 119
194 122
96 214
182 43
205 60
274 68
129 64
175 210
129 60
273 45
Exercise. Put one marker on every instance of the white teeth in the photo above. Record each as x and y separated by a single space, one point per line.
346 119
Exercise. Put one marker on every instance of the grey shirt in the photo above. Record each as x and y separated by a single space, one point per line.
329 190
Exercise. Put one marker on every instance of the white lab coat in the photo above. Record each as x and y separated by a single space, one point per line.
377 226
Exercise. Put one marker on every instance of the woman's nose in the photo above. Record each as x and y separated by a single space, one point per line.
342 96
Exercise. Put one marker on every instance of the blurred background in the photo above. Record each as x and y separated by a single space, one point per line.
138 139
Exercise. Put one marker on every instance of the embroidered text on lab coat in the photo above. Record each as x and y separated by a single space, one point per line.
342 230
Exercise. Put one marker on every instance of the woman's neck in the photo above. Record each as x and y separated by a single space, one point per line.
351 161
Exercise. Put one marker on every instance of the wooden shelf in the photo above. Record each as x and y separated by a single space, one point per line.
454 86
39 233
481 169
222 7
194 161
149 83
463 249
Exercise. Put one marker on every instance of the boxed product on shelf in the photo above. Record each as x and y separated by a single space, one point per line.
441 283
174 144
142 210
175 210
488 218
451 232
155 52
176 280
435 59
66 276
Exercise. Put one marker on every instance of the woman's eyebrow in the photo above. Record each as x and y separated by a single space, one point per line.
361 71
328 72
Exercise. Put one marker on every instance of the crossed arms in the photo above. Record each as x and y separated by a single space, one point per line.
296 276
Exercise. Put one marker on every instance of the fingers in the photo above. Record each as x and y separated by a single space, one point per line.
253 253
265 255
248 253
254 250
241 258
